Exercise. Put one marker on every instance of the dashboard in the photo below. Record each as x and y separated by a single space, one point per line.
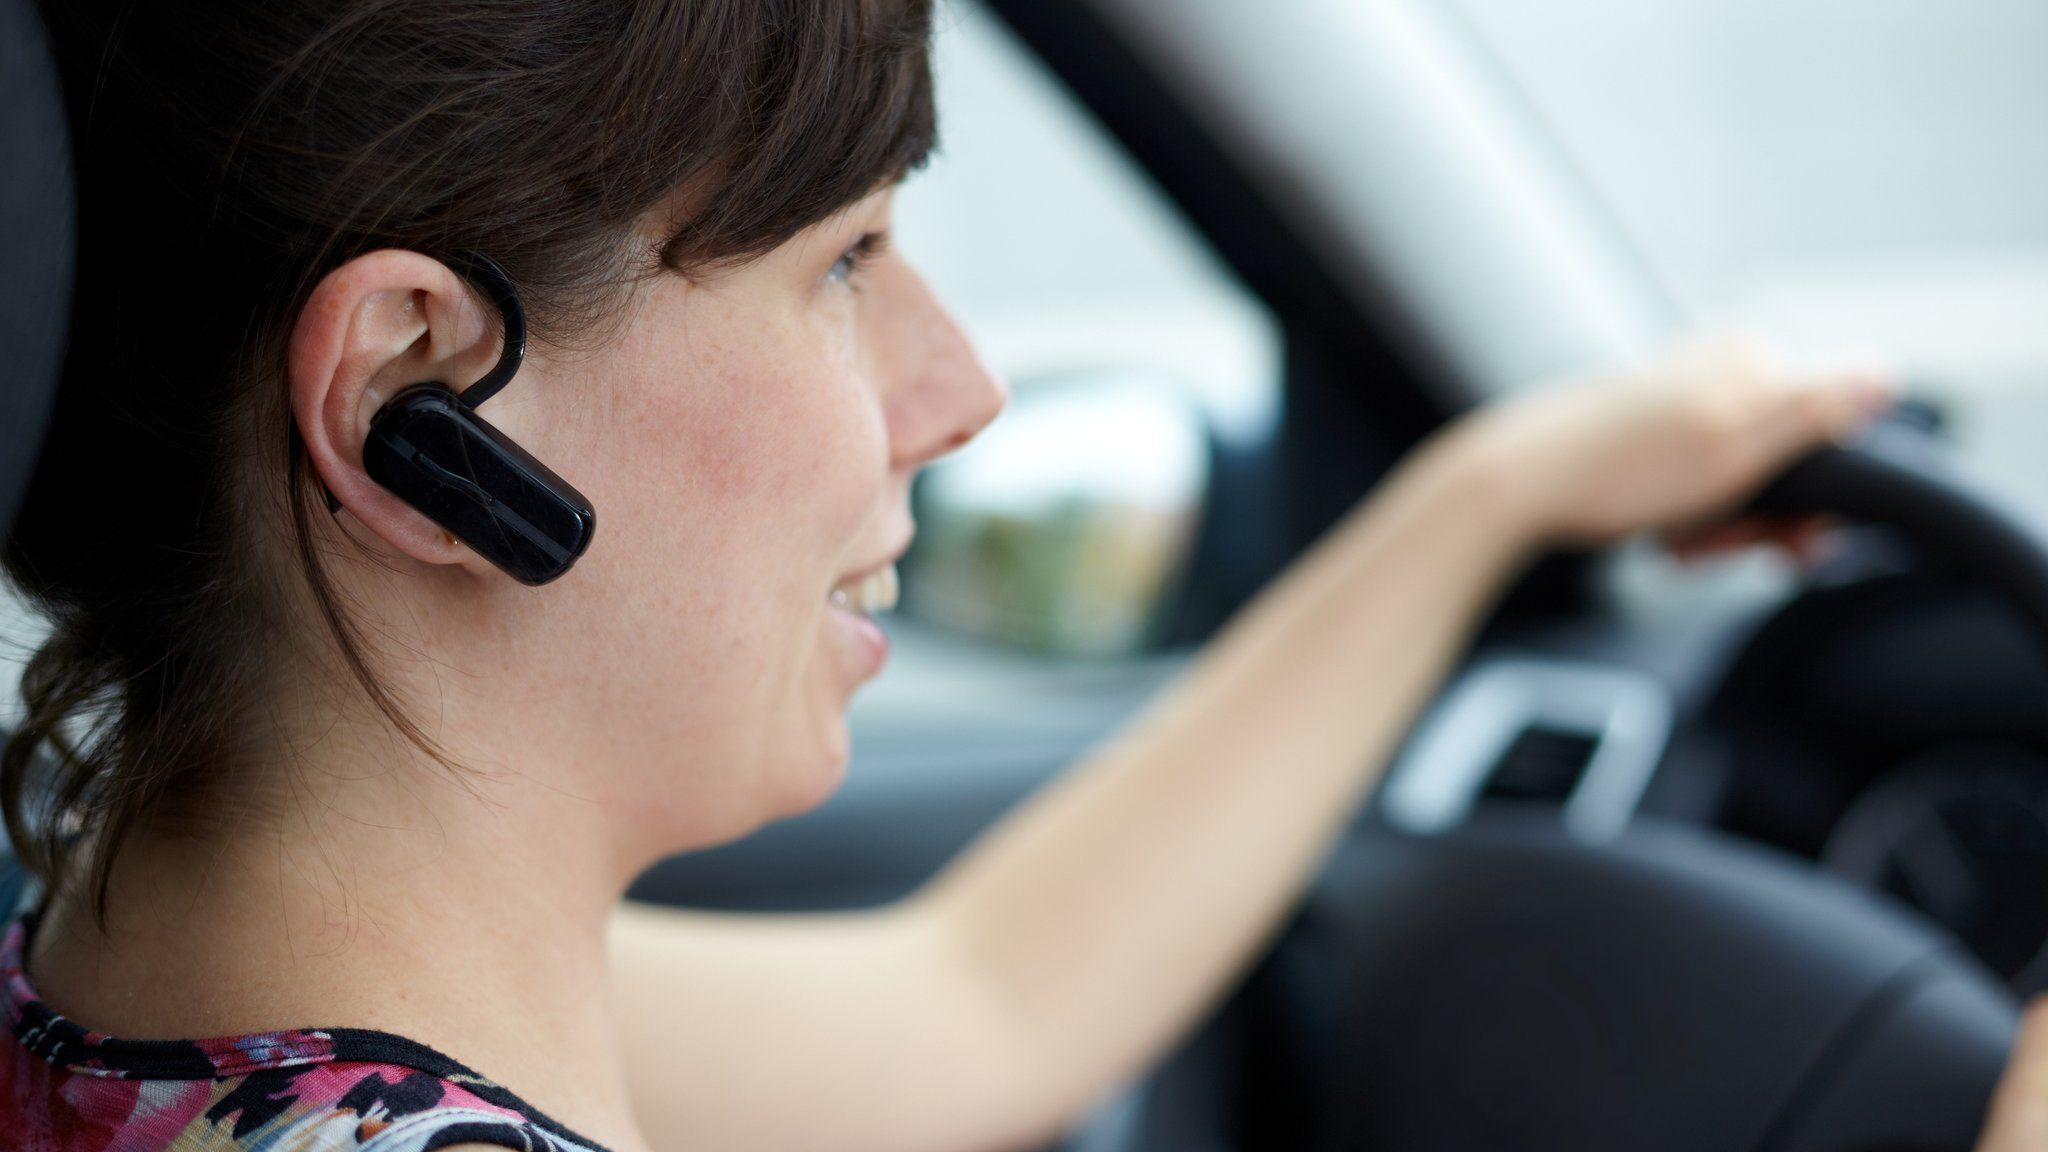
1881 720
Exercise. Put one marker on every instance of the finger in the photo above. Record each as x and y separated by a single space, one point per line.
1852 392
1809 538
1819 406
1812 541
1715 539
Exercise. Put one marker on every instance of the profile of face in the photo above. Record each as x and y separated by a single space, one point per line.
748 438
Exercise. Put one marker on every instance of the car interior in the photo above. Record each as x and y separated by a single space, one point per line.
1741 859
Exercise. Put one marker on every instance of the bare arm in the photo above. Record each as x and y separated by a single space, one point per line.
1070 944
1114 907
1073 943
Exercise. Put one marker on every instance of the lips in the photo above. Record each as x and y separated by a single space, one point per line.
851 606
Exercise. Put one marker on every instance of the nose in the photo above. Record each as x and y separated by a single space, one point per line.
944 394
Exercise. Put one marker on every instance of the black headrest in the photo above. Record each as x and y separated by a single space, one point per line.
36 241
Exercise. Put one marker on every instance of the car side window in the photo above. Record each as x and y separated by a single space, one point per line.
1128 345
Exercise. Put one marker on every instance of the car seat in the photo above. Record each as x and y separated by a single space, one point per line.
37 250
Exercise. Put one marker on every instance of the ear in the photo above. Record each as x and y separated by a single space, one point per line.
374 326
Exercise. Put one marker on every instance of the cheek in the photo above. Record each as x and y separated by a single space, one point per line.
761 463
732 480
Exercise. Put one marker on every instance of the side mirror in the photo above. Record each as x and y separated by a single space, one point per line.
1066 528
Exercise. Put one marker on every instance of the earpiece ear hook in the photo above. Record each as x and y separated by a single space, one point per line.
485 273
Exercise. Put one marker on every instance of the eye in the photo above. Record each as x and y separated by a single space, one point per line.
846 270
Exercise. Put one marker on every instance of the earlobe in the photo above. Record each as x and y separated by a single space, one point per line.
371 328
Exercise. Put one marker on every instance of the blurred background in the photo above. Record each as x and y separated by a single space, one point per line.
1865 176
1837 173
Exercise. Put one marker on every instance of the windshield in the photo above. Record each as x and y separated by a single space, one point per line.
1869 174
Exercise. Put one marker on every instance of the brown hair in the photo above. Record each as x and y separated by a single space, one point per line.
230 153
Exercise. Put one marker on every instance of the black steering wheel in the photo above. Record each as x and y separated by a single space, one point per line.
1503 986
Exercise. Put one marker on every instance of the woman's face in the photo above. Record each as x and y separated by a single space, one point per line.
748 441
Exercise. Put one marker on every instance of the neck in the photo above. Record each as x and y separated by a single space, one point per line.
466 910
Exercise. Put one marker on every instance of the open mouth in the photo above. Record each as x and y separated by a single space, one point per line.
869 594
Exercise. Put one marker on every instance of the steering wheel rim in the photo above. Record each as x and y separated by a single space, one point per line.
1898 476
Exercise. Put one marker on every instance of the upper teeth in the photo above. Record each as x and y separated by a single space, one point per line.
873 593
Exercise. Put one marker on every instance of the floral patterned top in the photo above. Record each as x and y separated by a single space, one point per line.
66 1089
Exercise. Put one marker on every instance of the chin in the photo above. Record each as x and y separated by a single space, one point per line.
791 790
790 783
805 786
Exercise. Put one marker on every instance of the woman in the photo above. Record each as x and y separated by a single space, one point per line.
312 760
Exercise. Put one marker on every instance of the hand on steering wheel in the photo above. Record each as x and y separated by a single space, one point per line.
1674 443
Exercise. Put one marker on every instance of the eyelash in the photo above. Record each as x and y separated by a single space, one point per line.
851 262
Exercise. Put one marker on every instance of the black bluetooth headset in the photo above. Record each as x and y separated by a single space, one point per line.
428 446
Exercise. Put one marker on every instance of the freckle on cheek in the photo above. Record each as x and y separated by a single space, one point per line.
725 475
